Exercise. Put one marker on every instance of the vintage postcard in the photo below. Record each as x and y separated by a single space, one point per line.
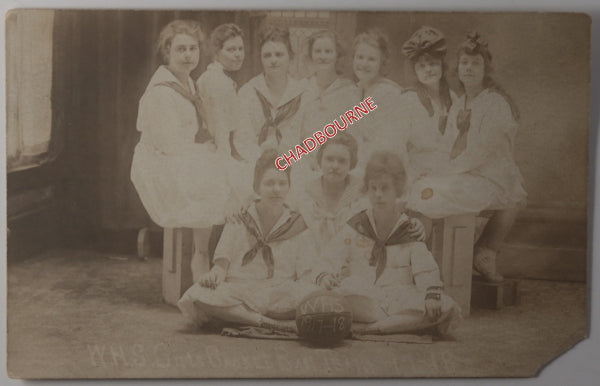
295 194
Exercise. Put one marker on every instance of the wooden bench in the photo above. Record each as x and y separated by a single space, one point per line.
177 256
452 240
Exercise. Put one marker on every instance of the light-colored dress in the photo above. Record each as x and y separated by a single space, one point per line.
249 284
284 117
484 176
427 139
323 223
223 117
381 129
175 177
410 270
319 108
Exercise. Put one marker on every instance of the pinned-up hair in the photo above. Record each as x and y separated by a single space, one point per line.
176 27
222 33
274 33
343 139
265 162
375 38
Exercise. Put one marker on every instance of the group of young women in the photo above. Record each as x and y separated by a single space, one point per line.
339 218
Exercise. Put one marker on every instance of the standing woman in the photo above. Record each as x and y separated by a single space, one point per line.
370 59
220 98
424 108
327 95
174 162
271 101
482 173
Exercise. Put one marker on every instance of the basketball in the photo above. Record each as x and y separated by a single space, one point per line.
323 318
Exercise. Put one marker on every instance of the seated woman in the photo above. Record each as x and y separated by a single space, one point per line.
370 61
259 263
177 153
424 107
328 201
481 172
390 279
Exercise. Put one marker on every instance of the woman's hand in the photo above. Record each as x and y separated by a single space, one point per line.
212 278
329 281
416 229
433 309
233 211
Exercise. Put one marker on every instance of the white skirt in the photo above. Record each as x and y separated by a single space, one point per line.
442 196
183 190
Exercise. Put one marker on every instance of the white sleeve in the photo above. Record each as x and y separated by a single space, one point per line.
425 270
250 123
222 108
228 246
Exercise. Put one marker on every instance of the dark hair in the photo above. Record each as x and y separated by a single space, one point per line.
176 27
343 139
375 38
445 97
386 163
222 33
273 33
265 162
475 45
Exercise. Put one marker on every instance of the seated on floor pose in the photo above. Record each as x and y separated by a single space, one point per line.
390 279
259 263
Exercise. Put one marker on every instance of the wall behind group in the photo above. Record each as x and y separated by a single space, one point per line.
104 59
542 61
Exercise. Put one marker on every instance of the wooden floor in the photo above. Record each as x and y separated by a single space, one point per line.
82 314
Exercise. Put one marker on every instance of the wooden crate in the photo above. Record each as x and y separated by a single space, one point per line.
494 296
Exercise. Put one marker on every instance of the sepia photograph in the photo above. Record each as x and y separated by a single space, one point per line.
295 193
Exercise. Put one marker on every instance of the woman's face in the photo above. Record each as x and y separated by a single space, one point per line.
382 192
184 54
428 70
335 162
367 62
275 58
231 56
274 187
324 54
471 69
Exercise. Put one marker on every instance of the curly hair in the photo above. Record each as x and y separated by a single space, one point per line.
343 139
222 33
176 27
474 45
386 163
375 38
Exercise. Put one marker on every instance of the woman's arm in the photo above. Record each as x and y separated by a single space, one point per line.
426 273
251 120
222 108
334 261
